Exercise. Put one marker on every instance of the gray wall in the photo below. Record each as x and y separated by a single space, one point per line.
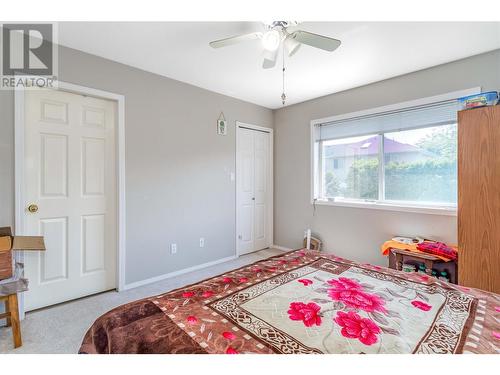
352 232
177 168
178 185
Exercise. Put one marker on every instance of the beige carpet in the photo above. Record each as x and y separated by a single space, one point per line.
60 329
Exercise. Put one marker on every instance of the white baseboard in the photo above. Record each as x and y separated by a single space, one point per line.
282 248
151 280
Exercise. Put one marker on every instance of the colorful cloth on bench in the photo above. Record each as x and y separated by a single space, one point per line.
386 246
438 248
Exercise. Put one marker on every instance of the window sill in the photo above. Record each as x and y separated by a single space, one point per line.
420 209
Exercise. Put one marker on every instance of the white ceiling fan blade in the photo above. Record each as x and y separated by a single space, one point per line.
291 45
269 59
315 40
235 39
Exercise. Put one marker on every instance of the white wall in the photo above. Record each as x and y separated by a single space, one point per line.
353 232
177 168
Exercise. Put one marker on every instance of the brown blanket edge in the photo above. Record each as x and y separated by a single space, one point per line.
112 332
139 327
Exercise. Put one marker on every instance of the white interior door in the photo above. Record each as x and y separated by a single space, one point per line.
253 190
70 176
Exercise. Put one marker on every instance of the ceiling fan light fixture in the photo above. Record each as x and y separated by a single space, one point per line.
269 58
291 45
271 40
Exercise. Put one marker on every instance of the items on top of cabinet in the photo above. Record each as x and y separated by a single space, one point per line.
479 100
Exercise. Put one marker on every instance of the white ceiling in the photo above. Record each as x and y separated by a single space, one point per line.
369 52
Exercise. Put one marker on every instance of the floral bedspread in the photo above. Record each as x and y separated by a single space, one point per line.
311 302
305 302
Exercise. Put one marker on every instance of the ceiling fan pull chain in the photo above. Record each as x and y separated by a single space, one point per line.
283 96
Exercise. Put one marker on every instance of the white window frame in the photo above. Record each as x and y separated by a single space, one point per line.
443 209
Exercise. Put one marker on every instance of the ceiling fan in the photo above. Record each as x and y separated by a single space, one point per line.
278 34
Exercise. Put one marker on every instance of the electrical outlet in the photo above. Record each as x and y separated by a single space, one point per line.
173 248
202 242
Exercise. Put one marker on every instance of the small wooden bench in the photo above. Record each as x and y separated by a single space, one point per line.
398 256
12 315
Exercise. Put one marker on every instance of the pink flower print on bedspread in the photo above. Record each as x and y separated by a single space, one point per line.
305 282
207 294
356 327
352 295
421 305
307 313
345 283
228 335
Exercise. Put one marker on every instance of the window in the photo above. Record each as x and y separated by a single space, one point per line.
420 165
351 153
406 157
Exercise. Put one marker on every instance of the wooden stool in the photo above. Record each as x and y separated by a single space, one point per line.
12 316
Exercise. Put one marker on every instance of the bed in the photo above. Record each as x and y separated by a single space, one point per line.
305 302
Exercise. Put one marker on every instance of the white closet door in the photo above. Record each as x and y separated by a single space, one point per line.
261 189
70 177
245 181
253 184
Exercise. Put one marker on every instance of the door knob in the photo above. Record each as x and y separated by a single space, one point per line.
253 198
32 208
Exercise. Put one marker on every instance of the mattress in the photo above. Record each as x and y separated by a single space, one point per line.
304 302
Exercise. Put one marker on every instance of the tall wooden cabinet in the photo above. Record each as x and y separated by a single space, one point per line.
479 198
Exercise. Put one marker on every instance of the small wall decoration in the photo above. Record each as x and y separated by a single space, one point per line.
221 125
